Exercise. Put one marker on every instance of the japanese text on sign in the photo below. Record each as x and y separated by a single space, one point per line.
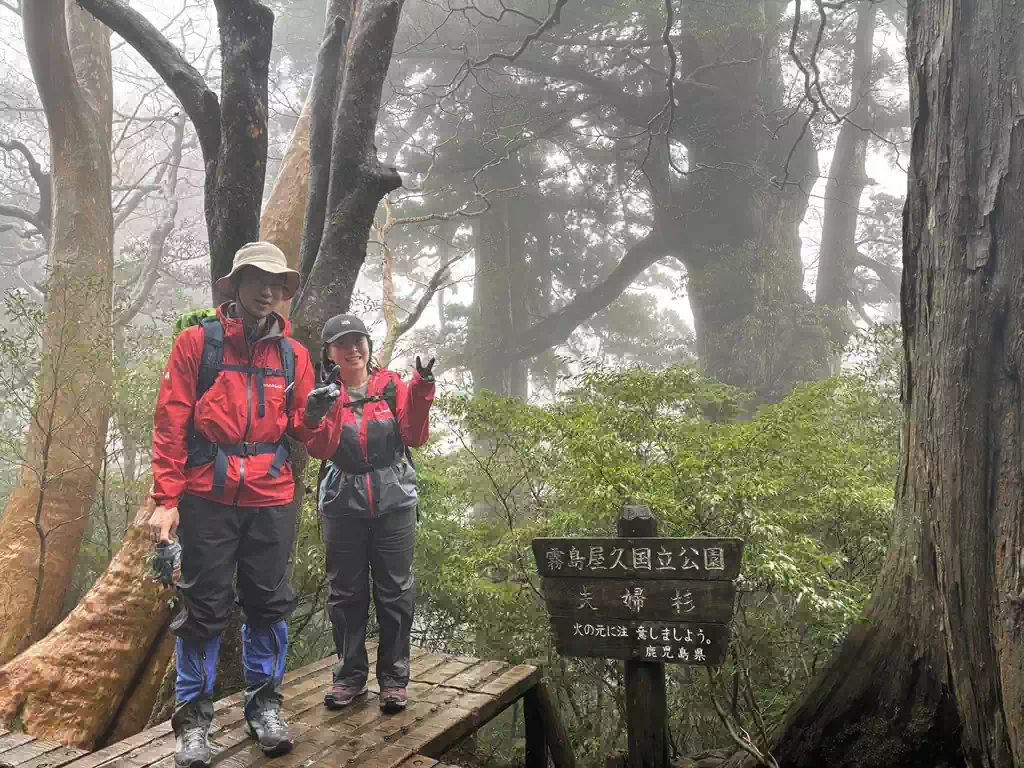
636 559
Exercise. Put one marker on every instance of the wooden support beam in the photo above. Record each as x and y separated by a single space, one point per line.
646 715
536 748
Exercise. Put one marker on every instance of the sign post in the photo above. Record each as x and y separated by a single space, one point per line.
647 600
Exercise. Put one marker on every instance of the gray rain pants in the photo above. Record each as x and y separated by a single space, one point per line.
357 547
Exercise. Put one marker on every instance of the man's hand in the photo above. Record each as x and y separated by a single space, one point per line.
319 403
163 524
427 373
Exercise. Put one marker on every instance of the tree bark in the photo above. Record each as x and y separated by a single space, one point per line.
281 222
69 686
323 96
847 177
358 181
133 716
756 327
234 191
500 255
934 675
46 515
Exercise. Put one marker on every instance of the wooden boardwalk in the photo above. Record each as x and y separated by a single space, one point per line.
449 698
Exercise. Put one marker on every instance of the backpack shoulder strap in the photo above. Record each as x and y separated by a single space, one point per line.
213 354
390 396
288 366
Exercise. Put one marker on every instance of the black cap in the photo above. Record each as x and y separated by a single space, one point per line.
339 325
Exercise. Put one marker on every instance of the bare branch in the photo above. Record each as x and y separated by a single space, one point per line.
889 276
556 328
198 101
17 212
433 286
739 736
550 21
161 231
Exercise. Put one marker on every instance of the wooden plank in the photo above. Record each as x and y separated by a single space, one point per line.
102 756
227 721
424 664
244 755
59 757
664 642
328 662
476 675
386 756
360 735
465 714
642 557
450 668
422 761
419 667
419 761
13 758
344 753
511 679
14 740
667 600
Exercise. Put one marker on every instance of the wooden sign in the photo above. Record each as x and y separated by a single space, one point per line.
659 557
659 641
640 598
647 599
637 599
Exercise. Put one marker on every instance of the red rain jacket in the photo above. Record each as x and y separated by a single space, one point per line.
368 474
228 413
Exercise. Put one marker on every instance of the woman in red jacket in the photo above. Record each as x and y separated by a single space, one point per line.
367 501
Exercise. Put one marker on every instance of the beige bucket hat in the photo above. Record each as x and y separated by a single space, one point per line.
265 256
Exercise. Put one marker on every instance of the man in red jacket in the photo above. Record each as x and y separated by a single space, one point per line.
233 389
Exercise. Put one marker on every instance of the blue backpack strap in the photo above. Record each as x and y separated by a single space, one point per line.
202 450
288 366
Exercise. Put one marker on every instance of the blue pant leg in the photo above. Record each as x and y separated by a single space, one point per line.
196 666
264 650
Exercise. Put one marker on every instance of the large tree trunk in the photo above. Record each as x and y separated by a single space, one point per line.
847 177
358 181
68 686
499 284
281 222
755 326
46 515
934 676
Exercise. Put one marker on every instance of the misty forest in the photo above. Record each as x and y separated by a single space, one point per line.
742 261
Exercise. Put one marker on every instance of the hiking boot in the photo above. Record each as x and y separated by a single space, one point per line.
191 723
263 714
342 695
393 700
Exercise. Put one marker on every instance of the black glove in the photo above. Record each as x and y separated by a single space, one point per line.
427 374
166 563
319 403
